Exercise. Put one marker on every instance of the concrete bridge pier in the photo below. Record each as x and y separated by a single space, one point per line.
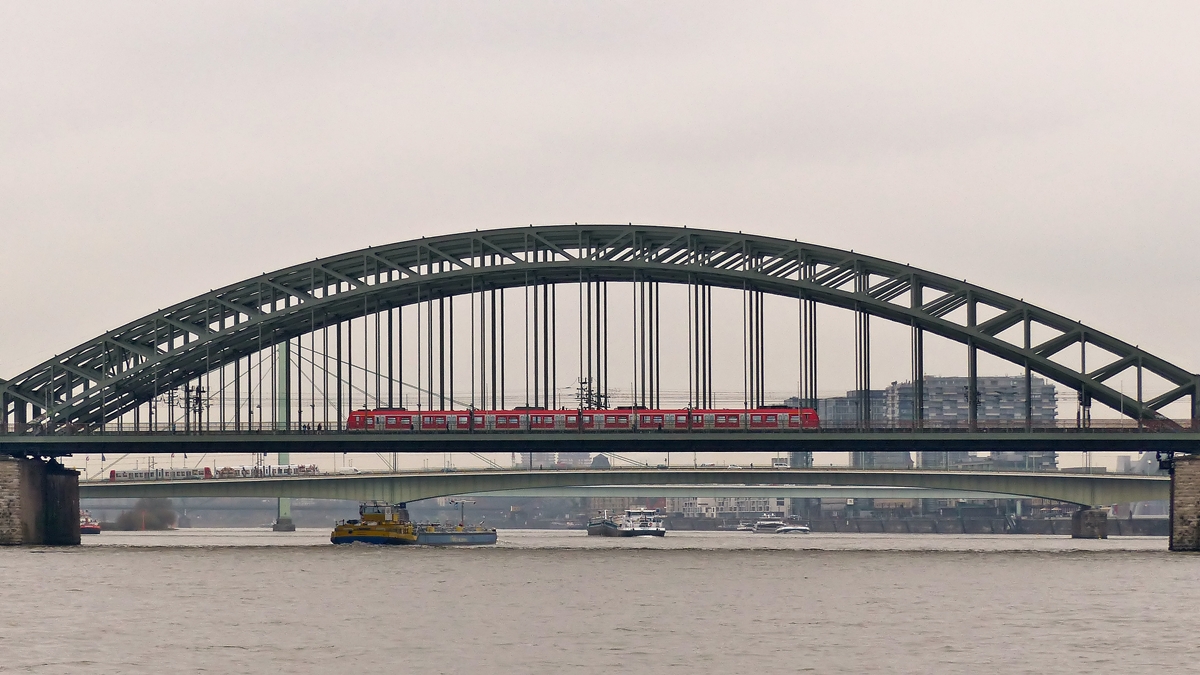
283 421
39 503
1185 503
1089 523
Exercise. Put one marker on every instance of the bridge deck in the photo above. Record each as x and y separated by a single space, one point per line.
1087 489
1074 440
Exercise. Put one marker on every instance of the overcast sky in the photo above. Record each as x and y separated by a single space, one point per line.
152 151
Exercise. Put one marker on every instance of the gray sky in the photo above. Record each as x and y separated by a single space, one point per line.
152 151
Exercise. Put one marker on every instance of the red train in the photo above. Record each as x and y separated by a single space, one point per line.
622 419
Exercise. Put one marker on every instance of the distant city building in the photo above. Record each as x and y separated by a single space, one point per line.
536 460
619 504
882 459
731 508
1000 399
843 411
575 460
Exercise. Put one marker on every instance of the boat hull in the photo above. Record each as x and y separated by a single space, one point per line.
611 530
381 540
456 538
89 529
419 538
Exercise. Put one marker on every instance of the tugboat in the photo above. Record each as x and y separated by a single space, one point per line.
389 524
635 523
88 524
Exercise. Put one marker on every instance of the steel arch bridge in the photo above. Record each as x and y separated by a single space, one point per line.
116 374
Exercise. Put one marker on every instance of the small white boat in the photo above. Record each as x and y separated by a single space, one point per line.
744 527
768 526
793 529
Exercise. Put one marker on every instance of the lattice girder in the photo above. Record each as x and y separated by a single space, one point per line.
106 377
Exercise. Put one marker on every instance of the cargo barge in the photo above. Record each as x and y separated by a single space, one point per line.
635 523
388 524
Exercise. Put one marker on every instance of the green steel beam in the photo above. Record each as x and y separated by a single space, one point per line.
167 349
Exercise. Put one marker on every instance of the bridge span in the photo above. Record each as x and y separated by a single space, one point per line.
1082 489
244 367
1128 440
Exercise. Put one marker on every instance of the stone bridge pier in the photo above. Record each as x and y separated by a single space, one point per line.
1185 503
39 503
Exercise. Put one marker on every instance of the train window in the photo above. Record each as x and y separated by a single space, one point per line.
771 418
462 419
587 419
570 419
681 419
697 419
514 420
391 420
658 419
428 420
406 420
756 418
624 419
645 419
720 419
795 418
610 419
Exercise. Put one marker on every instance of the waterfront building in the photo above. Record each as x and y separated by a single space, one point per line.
620 504
730 508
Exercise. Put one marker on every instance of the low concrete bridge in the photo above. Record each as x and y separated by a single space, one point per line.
1083 489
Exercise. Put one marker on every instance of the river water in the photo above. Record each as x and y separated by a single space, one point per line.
249 601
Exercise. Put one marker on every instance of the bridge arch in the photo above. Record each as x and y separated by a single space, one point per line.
106 377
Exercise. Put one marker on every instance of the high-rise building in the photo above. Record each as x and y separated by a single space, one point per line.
844 411
1000 400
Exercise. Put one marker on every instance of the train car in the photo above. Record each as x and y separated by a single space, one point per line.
383 420
267 471
619 419
115 475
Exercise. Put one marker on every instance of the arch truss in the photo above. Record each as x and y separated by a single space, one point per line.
114 373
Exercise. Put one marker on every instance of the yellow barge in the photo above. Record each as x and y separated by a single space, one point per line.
388 524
